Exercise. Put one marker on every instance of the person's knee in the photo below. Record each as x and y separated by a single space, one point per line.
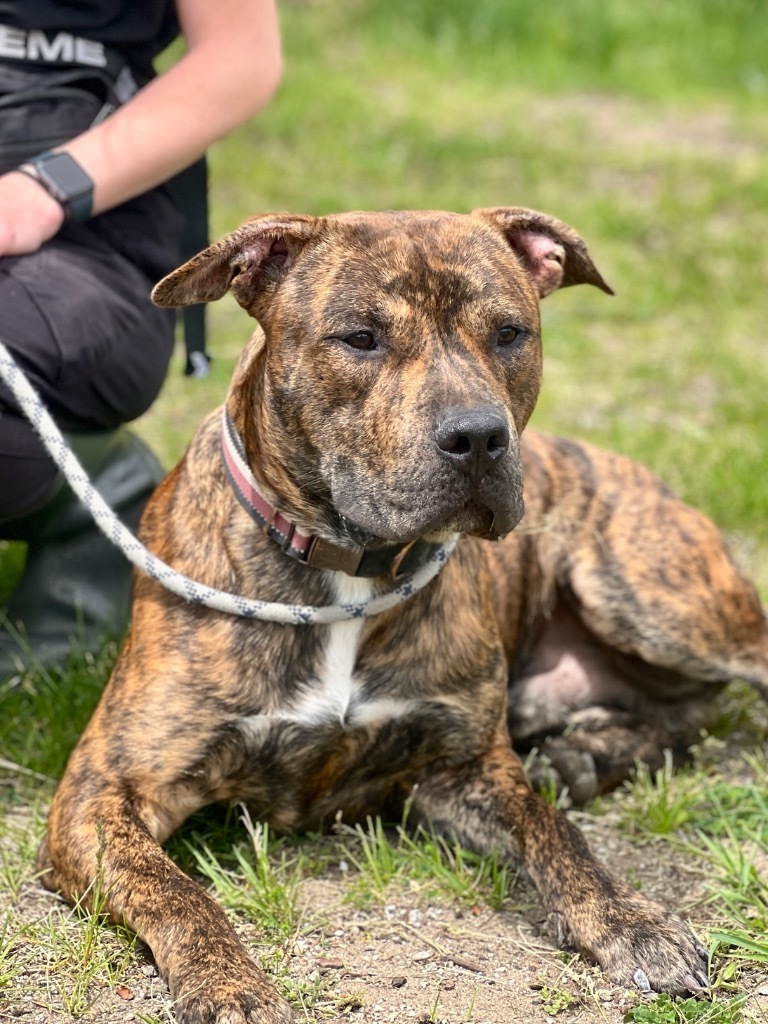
86 334
29 476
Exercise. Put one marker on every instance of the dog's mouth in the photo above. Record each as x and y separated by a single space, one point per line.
486 520
479 521
405 507
473 519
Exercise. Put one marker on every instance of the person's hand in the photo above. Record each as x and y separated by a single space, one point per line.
28 215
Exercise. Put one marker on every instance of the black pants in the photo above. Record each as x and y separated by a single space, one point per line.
77 317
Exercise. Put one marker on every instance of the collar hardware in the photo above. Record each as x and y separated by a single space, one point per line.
322 555
395 570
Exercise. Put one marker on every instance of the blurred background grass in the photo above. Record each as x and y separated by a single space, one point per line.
640 122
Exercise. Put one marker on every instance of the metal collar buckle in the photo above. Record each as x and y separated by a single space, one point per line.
322 555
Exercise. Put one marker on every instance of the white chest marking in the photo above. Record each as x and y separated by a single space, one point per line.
333 694
335 689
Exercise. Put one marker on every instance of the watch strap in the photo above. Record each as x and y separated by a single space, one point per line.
64 180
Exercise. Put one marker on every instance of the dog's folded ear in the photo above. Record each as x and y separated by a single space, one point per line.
552 252
248 261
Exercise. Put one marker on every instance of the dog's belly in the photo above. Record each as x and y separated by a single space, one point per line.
570 671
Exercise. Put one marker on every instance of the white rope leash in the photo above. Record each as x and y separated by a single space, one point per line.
195 593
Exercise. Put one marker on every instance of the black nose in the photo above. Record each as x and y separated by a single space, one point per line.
472 439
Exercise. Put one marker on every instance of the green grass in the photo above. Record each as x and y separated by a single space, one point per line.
633 48
664 1010
80 955
261 887
44 713
428 865
717 822
665 803
642 124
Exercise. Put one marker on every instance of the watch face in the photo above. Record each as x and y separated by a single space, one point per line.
63 173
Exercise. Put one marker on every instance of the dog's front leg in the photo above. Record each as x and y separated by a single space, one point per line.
102 835
490 806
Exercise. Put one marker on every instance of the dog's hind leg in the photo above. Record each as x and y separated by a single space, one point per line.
646 575
671 595
490 807
590 713
647 618
99 837
600 749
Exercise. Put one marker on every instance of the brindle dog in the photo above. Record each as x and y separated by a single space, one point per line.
379 408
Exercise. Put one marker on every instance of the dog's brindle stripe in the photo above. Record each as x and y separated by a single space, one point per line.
304 723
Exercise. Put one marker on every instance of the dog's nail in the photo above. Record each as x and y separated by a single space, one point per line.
640 978
703 979
693 984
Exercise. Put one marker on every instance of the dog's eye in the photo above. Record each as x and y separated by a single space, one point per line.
507 334
361 341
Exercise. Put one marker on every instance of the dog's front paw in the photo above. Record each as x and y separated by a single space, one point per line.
233 1000
240 1009
643 946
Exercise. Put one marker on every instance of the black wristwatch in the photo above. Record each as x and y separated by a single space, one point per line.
63 178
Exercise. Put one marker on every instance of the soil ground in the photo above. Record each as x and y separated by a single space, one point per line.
407 959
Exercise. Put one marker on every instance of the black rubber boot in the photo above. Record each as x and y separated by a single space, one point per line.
76 585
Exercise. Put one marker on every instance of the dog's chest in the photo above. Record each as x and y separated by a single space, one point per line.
330 692
355 712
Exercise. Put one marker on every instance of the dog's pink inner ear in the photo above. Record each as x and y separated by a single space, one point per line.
554 255
248 260
260 261
543 256
278 254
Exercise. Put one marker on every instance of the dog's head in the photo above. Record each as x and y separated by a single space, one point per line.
399 362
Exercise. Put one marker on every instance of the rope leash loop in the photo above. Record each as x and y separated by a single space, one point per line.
190 590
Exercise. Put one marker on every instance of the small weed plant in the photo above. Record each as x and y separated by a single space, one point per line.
665 1010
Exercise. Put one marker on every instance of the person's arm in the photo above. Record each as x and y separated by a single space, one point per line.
229 72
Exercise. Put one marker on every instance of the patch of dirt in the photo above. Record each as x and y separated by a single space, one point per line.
401 961
409 959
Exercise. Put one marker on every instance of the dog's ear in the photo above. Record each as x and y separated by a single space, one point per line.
248 261
554 255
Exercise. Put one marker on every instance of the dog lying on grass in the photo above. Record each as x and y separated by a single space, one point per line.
377 412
